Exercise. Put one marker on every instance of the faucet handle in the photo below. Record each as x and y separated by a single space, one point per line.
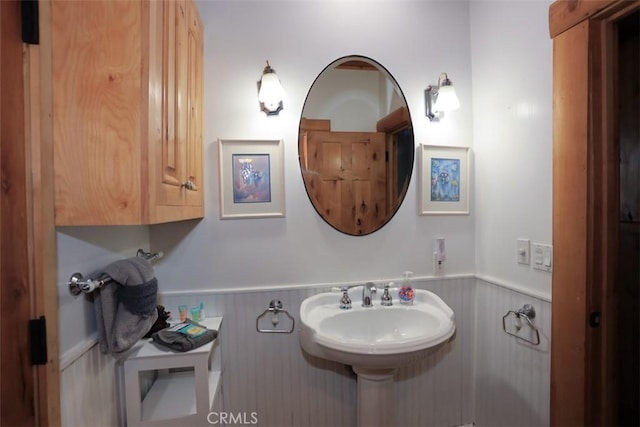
345 301
386 299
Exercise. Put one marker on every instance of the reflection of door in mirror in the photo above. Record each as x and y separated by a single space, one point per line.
355 145
356 180
345 177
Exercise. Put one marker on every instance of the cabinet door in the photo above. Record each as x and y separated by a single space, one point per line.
122 116
193 171
97 81
172 153
176 175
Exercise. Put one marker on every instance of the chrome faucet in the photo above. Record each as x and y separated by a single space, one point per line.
368 289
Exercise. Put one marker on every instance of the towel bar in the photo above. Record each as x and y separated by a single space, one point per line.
77 284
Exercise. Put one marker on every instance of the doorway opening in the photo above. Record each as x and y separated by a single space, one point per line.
627 280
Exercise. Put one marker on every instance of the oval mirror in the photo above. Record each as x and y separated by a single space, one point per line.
355 145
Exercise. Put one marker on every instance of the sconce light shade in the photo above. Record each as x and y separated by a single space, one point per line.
446 99
270 92
440 99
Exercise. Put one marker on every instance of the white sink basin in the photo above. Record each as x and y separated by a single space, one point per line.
376 337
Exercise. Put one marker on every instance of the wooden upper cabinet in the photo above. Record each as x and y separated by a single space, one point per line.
127 111
194 105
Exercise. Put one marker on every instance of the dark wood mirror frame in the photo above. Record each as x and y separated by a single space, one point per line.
356 177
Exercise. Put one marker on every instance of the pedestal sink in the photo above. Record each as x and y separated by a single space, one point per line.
375 341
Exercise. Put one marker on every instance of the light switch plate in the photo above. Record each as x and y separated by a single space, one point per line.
524 251
542 257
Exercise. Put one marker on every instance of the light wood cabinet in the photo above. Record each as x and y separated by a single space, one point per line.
127 111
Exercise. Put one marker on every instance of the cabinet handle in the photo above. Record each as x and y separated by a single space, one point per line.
189 185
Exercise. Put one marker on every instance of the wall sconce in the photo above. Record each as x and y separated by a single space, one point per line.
441 98
270 92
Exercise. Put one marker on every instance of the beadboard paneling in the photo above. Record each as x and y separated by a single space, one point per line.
88 391
438 389
271 375
511 376
481 375
268 373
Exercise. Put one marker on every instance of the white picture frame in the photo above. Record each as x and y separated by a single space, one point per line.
444 180
251 178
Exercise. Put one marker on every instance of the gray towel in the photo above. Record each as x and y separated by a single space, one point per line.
126 307
185 336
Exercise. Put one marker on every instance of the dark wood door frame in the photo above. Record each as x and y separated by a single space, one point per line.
30 395
585 210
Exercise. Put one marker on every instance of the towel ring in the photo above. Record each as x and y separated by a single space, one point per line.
527 312
275 307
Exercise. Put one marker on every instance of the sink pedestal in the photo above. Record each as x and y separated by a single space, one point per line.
375 341
375 397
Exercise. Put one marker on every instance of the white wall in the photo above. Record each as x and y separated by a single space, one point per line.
511 55
299 39
511 58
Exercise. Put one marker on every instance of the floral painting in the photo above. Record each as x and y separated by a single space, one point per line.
445 180
251 178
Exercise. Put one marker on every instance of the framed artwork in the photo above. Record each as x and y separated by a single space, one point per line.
251 178
444 180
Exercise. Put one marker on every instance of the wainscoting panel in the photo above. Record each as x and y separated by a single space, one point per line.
481 375
88 391
512 377
271 375
437 390
268 374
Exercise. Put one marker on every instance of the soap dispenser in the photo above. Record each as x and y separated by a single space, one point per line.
406 293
